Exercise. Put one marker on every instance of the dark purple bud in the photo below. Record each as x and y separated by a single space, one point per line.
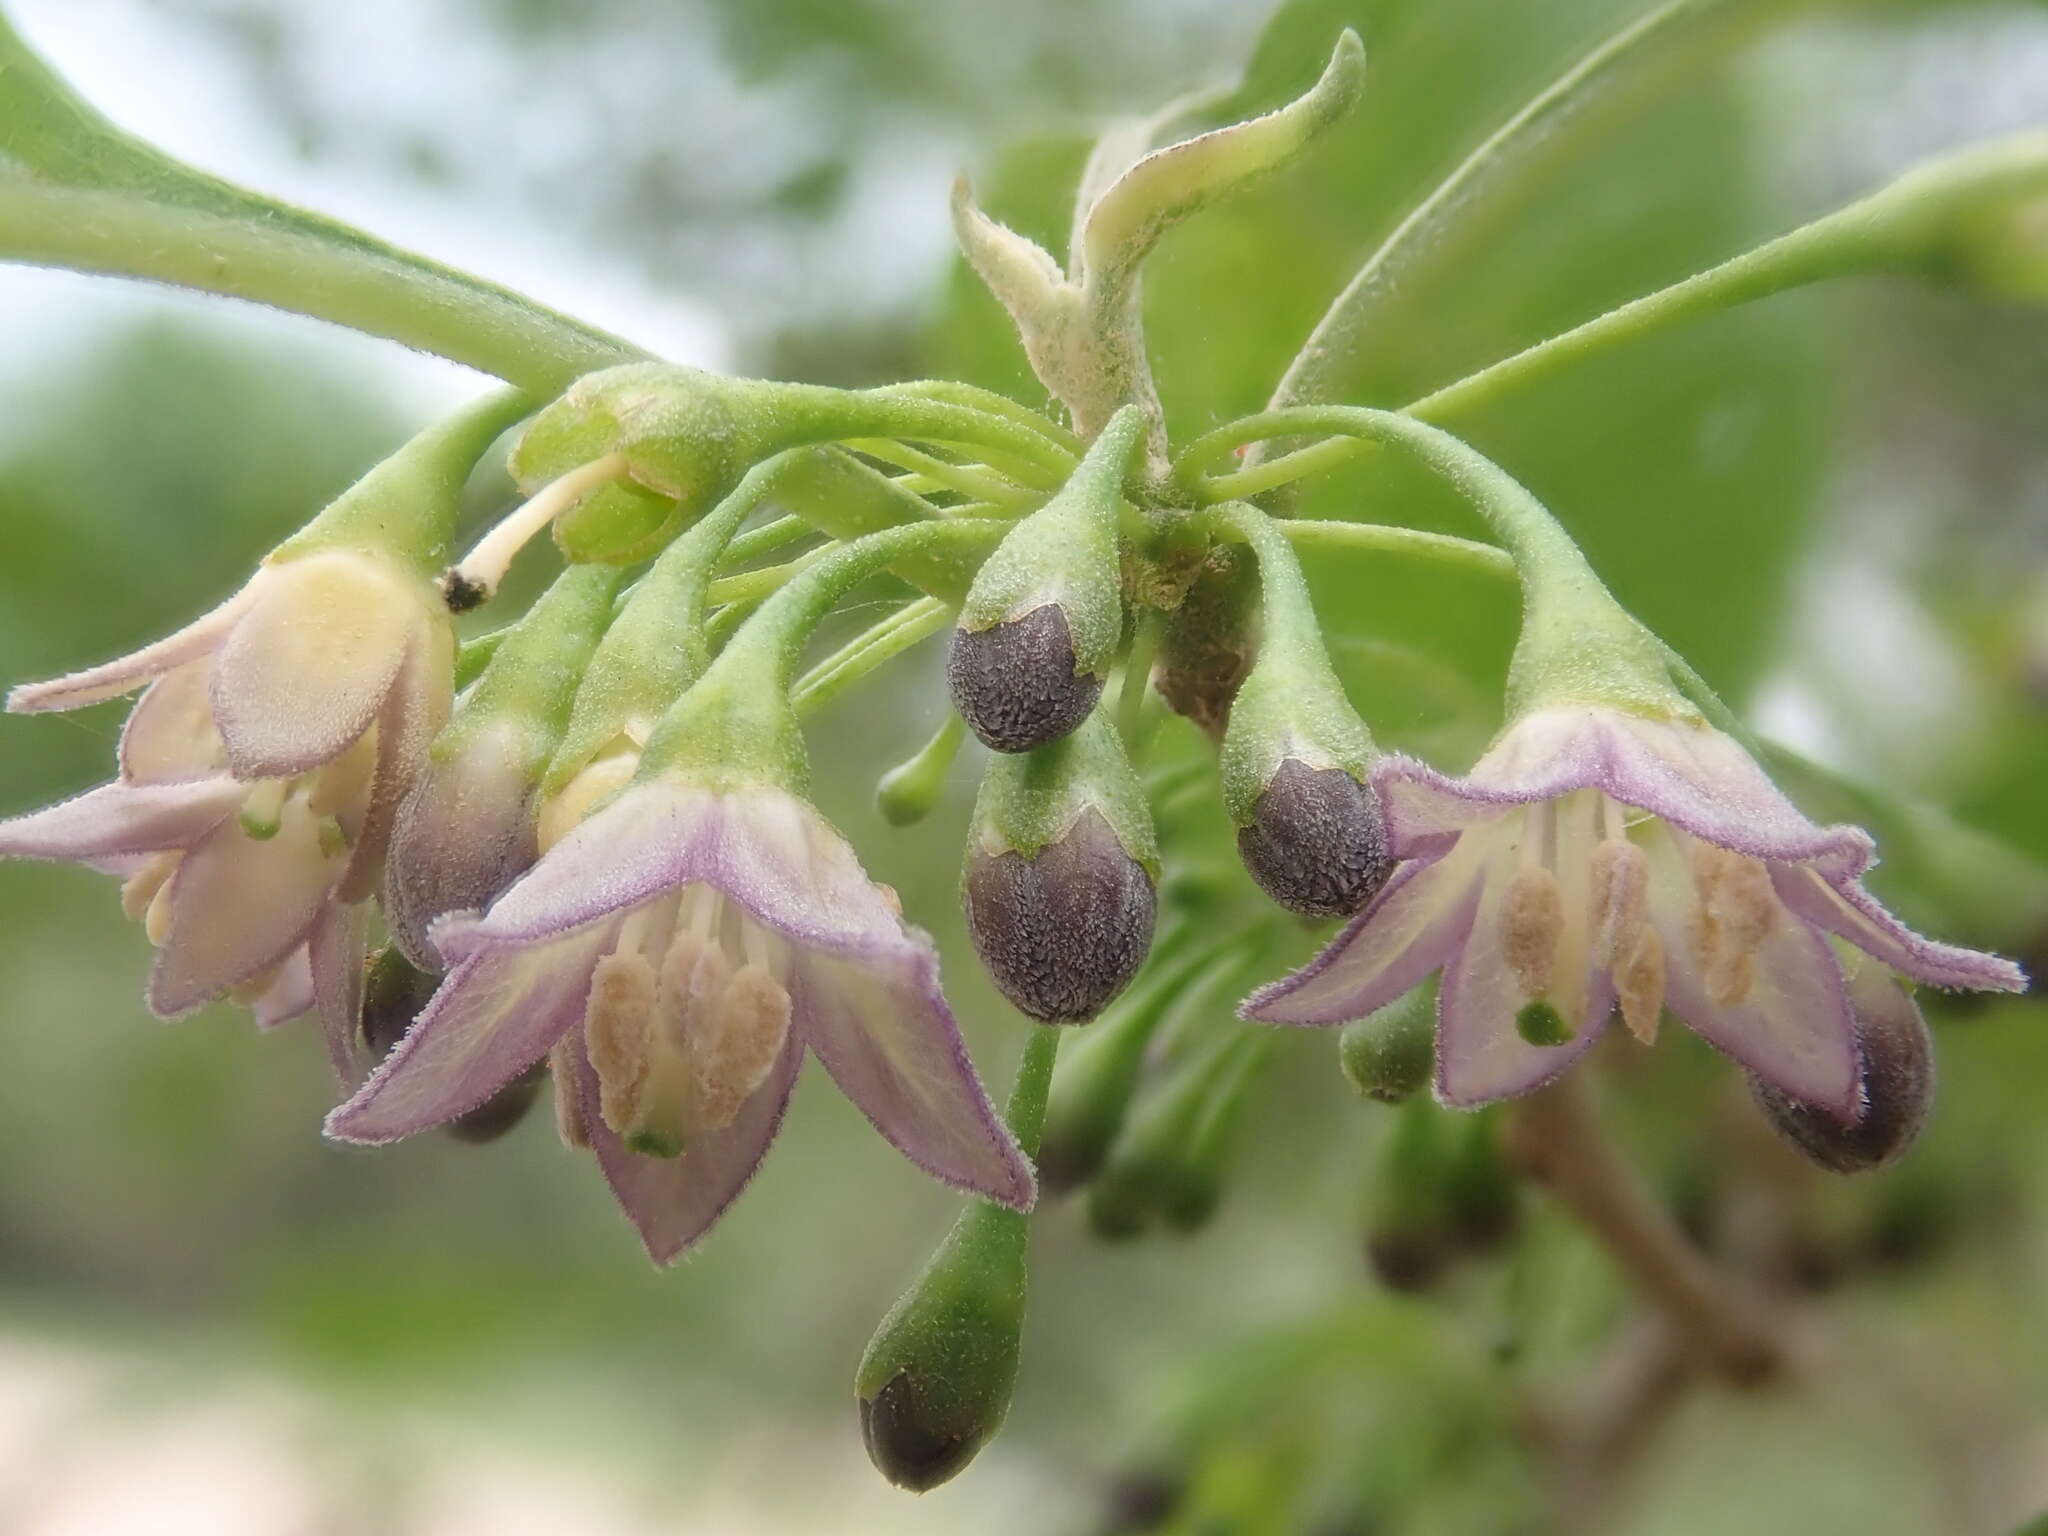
906 1441
394 993
463 834
1897 1084
1409 1259
1063 932
1316 843
1016 683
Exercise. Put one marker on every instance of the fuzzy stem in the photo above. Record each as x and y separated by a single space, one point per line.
1559 1143
871 649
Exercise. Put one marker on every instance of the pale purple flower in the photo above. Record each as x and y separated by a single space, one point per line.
1594 857
258 777
674 955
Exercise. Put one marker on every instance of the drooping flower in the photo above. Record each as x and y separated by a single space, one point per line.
673 956
258 776
1594 857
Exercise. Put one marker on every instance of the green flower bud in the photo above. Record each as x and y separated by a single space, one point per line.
1045 616
934 1385
1389 1055
907 792
1482 1197
1170 1160
1059 881
1407 1243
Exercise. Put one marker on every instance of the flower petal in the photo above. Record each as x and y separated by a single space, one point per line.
1794 1028
336 949
1692 776
412 715
1847 909
461 836
1480 1055
302 674
169 735
238 906
674 1201
1404 934
882 1028
119 820
125 674
289 995
499 1011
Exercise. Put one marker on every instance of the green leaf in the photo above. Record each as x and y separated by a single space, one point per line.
77 192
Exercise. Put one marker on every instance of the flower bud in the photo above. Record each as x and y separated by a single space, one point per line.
1170 1160
1316 842
1389 1055
1296 755
1407 1242
934 1384
1044 617
907 792
1897 1082
1059 880
1482 1199
466 830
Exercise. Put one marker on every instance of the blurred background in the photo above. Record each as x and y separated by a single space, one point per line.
1836 504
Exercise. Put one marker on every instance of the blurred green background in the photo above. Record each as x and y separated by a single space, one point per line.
1836 504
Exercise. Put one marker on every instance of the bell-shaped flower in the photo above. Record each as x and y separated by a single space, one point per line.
258 774
674 955
1597 856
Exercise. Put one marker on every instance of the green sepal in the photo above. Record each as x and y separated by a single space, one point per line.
527 689
1029 800
407 506
1291 704
656 646
686 436
1066 553
1389 1055
617 524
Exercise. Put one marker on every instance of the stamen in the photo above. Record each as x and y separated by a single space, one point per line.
139 890
476 579
736 1045
1621 898
568 1103
1532 923
1737 915
618 1028
1639 983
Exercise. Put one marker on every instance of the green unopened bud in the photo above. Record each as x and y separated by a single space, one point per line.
1059 880
1407 1243
1097 1076
1389 1055
1897 1081
1045 616
1170 1161
934 1385
907 792
1296 755
1482 1197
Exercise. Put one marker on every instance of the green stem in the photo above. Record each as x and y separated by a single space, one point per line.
1445 549
1577 642
873 648
749 586
1133 692
967 479
1025 1113
1501 163
987 400
771 536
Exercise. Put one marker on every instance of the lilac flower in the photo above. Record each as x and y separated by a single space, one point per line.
673 956
1594 856
258 776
